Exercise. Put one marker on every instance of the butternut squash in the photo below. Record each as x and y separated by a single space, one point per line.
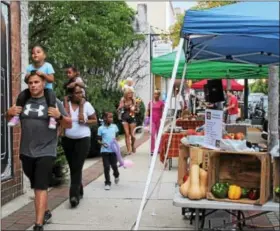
194 189
184 188
203 182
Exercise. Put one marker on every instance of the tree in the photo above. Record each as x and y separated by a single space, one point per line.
175 30
92 35
88 33
128 64
259 86
211 4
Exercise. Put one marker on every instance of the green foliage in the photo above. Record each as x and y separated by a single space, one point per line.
91 35
175 30
211 4
259 86
87 34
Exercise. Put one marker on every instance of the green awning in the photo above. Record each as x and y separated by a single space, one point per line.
163 66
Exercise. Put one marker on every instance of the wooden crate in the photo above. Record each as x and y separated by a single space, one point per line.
196 155
245 169
276 177
184 154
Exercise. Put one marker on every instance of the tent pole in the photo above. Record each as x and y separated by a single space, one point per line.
246 94
273 107
151 84
158 139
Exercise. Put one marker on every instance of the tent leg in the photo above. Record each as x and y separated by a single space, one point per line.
273 107
150 174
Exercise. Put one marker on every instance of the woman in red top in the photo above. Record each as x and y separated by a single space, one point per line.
232 107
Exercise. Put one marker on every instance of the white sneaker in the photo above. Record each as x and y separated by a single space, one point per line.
52 123
107 187
14 121
117 180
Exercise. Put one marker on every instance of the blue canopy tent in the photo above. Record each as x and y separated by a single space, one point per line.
245 32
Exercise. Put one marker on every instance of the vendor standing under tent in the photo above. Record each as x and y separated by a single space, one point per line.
232 107
177 103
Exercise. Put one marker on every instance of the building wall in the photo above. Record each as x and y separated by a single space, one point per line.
142 87
170 15
13 187
160 16
156 13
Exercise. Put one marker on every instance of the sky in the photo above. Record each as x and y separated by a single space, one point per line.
185 5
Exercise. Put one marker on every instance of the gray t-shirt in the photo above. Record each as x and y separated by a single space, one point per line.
37 139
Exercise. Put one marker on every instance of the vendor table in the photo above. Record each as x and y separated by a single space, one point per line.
189 124
174 146
201 205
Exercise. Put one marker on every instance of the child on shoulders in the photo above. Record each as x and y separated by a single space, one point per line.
46 70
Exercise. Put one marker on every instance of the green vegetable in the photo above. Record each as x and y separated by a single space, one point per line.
277 191
244 193
220 190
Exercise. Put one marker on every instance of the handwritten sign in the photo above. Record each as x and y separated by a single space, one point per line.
213 128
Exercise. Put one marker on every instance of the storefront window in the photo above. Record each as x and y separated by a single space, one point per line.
6 152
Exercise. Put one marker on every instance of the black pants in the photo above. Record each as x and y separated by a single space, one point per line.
110 159
25 95
76 151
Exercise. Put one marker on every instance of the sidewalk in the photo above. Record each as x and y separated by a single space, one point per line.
19 213
117 209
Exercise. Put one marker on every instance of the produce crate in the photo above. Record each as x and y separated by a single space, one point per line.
196 155
276 177
245 169
189 124
184 153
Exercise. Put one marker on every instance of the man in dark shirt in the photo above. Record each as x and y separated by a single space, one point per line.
38 143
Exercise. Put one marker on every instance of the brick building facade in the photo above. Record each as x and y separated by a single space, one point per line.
11 171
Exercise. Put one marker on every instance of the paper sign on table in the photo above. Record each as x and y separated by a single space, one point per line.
213 129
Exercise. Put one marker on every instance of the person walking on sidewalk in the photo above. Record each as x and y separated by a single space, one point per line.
38 142
157 110
106 134
76 142
127 108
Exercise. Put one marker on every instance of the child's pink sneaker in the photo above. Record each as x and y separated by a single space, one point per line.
14 121
52 123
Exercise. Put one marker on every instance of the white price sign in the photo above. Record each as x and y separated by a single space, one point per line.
213 128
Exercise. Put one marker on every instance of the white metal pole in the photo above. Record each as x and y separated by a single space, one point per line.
171 132
173 123
150 174
151 89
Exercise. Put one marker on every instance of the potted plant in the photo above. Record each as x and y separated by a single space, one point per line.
59 168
